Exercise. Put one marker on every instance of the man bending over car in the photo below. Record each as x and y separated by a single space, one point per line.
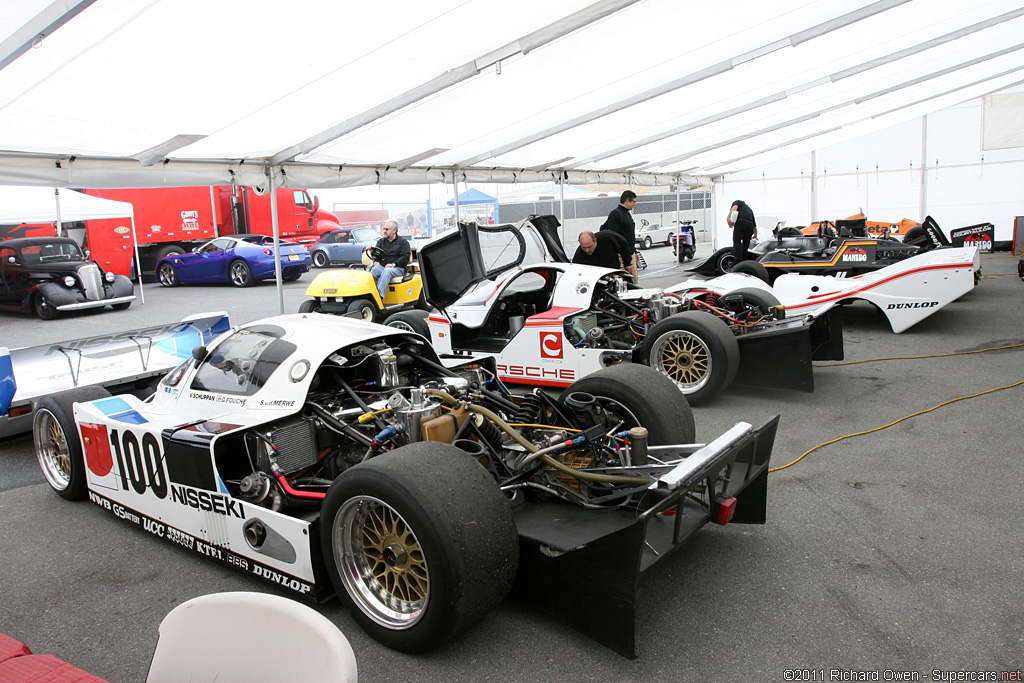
392 258
605 249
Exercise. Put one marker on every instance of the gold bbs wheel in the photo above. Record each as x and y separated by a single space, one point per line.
684 358
696 350
418 543
383 564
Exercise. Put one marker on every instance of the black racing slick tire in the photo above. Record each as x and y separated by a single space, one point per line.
56 442
640 395
310 306
419 544
410 321
751 268
696 350
122 306
365 309
166 275
764 302
726 260
239 273
320 259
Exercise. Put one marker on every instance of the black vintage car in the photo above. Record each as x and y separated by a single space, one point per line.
52 274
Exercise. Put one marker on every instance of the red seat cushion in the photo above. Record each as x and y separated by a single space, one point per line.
43 669
9 647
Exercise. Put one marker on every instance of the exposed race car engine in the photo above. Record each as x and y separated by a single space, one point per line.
370 399
620 317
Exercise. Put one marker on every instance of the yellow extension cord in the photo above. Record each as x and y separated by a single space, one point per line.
921 412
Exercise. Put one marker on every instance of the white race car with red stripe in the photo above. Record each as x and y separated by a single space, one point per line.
907 292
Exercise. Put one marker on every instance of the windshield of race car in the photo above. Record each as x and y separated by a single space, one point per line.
243 363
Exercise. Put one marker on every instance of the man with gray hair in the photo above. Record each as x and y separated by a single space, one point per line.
392 259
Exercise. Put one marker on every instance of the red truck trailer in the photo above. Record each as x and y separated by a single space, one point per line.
174 220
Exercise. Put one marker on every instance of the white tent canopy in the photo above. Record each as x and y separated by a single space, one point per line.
117 93
40 205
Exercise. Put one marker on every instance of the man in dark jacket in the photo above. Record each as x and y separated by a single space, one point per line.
602 249
620 221
395 257
741 219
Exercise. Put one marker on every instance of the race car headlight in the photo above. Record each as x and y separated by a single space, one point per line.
69 280
109 277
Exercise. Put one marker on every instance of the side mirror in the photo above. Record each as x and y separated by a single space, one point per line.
316 203
199 353
195 250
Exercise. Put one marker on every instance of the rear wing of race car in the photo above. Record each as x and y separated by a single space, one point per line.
119 361
583 566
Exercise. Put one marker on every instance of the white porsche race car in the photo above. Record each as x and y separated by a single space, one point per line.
509 291
907 291
331 455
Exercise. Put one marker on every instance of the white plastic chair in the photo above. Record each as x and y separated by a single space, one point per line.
249 638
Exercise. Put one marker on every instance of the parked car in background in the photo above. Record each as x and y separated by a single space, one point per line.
239 259
648 235
52 274
343 247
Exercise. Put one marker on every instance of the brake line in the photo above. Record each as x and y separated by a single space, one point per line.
895 422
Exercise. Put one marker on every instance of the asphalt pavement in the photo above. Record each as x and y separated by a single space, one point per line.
887 555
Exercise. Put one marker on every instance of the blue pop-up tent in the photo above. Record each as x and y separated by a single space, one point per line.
474 196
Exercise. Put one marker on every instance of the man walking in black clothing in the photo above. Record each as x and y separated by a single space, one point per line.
620 221
602 249
741 219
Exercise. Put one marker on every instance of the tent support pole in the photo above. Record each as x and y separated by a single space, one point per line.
561 204
714 215
455 184
60 226
814 186
679 226
138 259
924 167
277 238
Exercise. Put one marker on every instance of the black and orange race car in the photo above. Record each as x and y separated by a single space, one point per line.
874 228
843 248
